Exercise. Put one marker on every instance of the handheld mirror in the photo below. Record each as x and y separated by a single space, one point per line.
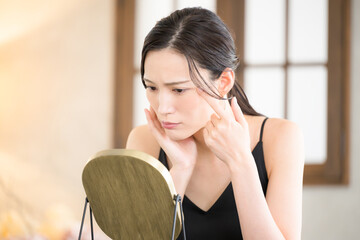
131 195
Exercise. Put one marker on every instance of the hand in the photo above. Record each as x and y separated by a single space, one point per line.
227 132
182 154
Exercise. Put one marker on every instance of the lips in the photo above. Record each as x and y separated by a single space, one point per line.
169 125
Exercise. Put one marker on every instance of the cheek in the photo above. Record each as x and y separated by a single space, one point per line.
152 100
197 108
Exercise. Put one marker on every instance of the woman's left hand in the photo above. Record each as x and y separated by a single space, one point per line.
227 132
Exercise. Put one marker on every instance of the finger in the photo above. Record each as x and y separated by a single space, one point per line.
214 120
207 131
238 114
209 127
216 104
153 126
208 134
155 119
150 120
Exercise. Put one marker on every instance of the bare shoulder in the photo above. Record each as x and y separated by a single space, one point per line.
274 125
140 138
283 144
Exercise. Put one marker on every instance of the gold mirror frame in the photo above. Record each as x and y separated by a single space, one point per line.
131 195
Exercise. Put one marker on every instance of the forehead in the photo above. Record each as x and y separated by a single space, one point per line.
165 65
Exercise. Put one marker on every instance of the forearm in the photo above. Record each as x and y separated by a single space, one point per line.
181 177
254 214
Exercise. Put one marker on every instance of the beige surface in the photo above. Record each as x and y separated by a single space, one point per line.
56 109
130 193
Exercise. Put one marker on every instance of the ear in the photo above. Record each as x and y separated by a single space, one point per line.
226 81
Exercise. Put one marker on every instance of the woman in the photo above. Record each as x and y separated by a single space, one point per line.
239 178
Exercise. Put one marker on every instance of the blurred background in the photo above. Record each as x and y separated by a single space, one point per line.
70 86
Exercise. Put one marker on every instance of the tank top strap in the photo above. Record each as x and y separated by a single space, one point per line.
262 129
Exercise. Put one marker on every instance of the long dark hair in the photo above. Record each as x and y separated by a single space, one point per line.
203 38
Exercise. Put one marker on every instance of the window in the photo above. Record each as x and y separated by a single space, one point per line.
295 61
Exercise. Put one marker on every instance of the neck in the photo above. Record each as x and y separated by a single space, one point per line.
202 148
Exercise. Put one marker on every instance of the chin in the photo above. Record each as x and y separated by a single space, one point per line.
178 135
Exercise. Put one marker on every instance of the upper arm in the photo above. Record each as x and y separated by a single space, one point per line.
140 138
284 192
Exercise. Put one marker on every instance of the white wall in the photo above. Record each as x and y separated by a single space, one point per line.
333 212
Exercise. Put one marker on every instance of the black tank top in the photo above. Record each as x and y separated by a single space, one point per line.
221 221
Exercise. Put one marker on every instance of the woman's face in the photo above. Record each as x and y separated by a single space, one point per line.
172 95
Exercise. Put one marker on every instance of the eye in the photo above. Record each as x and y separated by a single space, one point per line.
179 90
151 88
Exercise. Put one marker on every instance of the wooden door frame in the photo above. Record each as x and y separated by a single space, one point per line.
124 71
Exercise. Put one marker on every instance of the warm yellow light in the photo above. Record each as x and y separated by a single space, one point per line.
18 17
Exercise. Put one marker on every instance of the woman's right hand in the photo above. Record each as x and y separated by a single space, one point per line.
182 154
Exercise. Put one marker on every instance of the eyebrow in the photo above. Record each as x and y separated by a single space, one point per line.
169 83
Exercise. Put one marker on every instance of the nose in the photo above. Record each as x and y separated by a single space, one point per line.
166 104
